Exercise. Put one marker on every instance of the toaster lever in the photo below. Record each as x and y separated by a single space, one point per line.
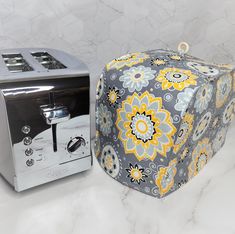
54 114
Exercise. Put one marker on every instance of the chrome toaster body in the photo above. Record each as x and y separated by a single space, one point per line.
45 118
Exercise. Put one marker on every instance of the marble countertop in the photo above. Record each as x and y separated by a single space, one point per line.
92 202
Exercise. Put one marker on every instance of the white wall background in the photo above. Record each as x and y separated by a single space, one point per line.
99 30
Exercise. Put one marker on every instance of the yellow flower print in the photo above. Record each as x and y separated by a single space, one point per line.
184 153
158 61
145 128
165 177
184 131
177 78
136 174
113 96
201 154
127 60
175 57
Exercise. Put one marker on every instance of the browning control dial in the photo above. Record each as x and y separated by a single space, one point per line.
75 143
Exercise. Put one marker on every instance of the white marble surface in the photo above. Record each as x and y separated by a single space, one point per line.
92 202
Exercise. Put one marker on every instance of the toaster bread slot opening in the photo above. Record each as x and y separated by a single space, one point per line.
16 63
48 61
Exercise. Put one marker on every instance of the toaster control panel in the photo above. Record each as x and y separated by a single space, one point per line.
27 141
73 142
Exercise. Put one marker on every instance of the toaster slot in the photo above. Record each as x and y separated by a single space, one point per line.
48 61
16 63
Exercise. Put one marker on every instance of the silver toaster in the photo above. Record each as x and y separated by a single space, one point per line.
44 113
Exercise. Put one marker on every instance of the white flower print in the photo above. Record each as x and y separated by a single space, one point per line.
201 154
203 68
100 86
224 86
229 112
203 97
136 78
109 161
104 119
219 139
183 99
202 126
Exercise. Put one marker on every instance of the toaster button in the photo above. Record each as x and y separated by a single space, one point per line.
27 140
28 152
25 129
30 162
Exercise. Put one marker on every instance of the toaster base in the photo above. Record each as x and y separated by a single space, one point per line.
28 180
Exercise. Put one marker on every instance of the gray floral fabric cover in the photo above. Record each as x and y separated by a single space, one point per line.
160 117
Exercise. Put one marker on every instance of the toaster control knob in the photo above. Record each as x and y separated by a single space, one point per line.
28 152
75 143
27 140
30 162
25 129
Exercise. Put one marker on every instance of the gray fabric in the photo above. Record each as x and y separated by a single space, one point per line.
160 117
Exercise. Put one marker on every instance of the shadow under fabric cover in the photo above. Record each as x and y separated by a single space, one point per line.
160 117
